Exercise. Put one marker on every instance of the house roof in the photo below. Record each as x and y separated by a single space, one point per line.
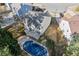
74 23
36 24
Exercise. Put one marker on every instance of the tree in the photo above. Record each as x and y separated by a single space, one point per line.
8 45
73 48
51 46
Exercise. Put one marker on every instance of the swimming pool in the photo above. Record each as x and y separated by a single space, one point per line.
24 9
35 49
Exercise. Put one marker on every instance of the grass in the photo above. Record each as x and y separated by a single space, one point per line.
77 9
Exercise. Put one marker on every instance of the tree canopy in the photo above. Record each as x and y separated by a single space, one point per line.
8 45
73 48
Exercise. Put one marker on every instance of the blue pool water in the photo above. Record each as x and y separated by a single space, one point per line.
34 49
